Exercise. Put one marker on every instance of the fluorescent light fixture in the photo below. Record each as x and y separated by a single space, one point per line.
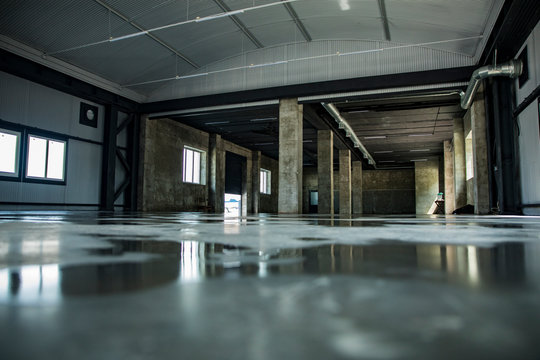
357 111
418 160
216 122
217 16
383 152
420 150
264 119
262 144
374 137
386 161
427 134
307 141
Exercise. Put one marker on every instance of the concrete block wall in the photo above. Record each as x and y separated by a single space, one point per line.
388 191
162 189
427 185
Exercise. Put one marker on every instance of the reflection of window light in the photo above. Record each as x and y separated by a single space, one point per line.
474 276
36 283
9 148
469 156
189 261
344 5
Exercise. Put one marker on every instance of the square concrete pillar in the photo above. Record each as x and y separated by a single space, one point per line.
325 171
449 198
480 156
357 187
460 180
256 180
290 157
345 182
216 183
426 181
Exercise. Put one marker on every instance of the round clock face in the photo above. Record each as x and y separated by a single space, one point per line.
90 114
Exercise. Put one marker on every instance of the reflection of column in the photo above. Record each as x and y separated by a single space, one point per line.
460 182
357 187
345 182
325 171
290 156
449 198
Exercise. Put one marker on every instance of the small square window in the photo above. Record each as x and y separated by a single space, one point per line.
194 166
9 148
46 158
265 181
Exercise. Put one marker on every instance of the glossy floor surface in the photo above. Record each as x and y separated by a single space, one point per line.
89 285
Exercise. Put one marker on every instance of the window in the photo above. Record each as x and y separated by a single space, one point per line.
9 148
194 166
265 181
46 158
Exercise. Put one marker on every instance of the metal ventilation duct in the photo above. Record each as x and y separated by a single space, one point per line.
512 69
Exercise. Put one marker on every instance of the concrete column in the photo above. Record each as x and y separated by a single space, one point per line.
256 179
460 181
449 191
480 156
426 181
216 183
345 182
325 171
290 156
357 187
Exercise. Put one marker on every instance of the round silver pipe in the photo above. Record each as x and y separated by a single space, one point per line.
512 69
343 124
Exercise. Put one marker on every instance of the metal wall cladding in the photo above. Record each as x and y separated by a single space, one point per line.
47 109
529 125
310 62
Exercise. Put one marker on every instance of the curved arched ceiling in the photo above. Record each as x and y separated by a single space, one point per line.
228 45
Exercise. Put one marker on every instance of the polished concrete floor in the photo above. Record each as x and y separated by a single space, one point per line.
89 285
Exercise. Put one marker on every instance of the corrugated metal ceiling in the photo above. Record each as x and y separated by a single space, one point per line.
195 47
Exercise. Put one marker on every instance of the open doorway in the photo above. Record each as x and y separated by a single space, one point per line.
235 185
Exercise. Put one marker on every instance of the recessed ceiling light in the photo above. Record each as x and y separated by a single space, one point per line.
420 150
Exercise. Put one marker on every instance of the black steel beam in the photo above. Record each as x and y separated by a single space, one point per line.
27 69
461 74
515 22
297 21
109 158
384 17
240 24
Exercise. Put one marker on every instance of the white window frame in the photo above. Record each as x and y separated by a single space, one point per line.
194 166
46 159
15 173
265 179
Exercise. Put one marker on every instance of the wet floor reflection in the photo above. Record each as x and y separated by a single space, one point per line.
190 261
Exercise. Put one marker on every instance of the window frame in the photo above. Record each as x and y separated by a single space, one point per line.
201 165
267 183
48 137
6 176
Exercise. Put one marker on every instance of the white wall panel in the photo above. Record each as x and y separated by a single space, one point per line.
30 104
83 173
529 138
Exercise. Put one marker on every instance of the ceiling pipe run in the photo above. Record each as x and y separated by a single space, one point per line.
343 124
512 69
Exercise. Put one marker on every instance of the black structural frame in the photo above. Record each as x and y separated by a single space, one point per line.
514 25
